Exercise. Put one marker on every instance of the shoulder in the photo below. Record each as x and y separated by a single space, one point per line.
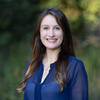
73 61
75 66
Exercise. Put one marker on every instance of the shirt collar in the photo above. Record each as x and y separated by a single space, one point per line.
51 65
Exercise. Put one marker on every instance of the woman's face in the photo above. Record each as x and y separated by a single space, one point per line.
51 34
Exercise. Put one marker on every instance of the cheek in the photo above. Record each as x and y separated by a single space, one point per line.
60 35
42 36
42 33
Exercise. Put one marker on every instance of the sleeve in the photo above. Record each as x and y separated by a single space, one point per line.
79 82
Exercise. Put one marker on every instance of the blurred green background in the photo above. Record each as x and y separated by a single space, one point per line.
17 21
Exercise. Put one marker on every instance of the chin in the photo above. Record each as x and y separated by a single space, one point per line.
52 48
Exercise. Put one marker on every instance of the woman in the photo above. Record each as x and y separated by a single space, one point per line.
54 73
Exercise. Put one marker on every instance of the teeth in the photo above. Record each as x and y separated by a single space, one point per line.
51 40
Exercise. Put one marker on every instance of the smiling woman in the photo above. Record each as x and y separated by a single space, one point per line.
51 33
54 73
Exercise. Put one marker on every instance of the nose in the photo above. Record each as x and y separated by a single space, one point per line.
51 32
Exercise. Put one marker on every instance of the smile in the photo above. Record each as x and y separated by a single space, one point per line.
52 40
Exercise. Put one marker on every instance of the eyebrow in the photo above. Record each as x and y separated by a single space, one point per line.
48 25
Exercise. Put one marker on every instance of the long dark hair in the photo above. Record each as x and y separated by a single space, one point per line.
38 49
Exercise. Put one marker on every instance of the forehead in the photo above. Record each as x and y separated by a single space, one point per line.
49 20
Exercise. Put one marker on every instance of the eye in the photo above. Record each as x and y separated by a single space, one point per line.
45 28
57 28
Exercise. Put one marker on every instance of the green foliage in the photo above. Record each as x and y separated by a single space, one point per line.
18 18
91 57
17 21
12 69
5 38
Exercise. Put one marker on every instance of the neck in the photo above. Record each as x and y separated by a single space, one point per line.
51 55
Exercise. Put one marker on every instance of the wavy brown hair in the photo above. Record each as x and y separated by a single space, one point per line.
38 49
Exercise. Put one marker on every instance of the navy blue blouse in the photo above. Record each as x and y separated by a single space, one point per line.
76 87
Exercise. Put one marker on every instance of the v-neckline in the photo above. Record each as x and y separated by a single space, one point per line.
42 65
